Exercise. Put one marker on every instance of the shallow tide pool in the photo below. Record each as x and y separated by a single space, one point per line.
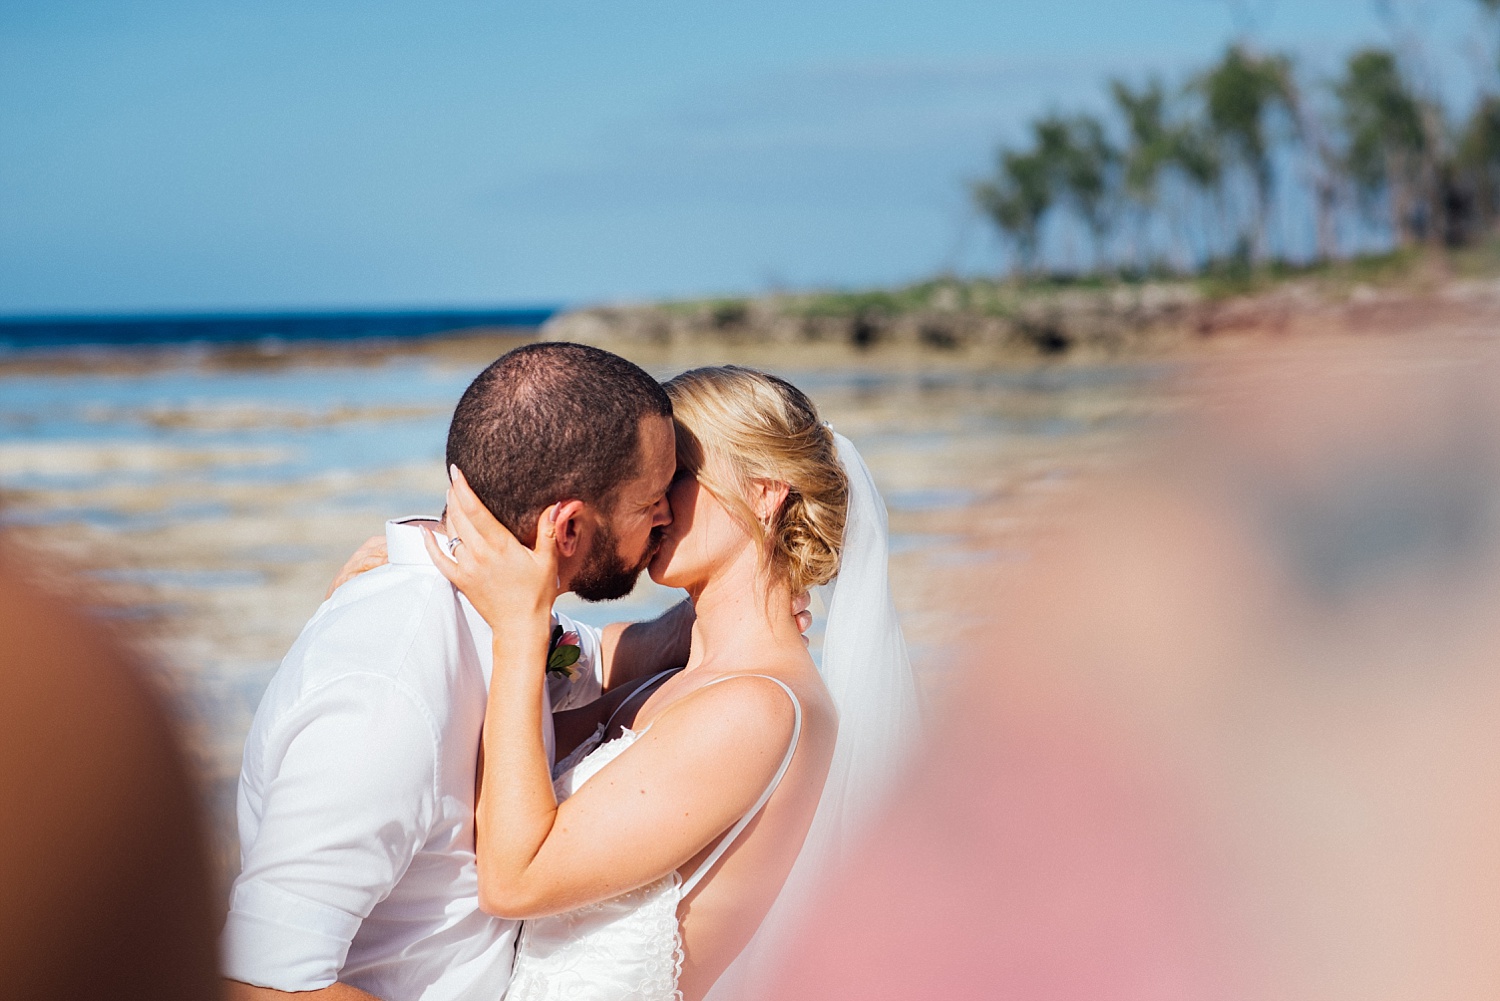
211 506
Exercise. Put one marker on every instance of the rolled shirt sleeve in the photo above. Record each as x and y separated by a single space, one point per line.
349 790
587 683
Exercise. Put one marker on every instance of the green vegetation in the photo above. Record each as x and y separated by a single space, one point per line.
1009 298
1208 178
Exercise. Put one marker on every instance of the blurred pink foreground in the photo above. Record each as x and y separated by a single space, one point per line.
1235 733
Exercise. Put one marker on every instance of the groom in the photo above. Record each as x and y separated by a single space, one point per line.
356 799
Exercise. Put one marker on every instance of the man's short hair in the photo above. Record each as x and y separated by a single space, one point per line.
549 422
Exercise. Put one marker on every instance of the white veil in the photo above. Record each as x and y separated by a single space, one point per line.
868 673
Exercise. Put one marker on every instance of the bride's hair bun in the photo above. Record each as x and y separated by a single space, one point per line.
762 427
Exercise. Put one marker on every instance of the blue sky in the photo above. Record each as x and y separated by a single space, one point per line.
215 155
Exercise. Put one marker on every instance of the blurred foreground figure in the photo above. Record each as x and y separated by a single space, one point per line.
1241 732
104 889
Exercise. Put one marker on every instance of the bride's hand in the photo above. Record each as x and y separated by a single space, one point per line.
507 583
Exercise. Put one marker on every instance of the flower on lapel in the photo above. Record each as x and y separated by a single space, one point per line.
563 653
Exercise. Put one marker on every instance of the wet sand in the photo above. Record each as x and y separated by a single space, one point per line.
207 499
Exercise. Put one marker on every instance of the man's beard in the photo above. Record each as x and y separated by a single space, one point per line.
604 576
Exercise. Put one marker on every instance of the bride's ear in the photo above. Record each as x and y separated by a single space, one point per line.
766 497
568 527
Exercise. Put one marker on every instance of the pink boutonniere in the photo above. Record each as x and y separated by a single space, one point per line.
563 654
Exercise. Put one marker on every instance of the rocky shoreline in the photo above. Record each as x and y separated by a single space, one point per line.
995 322
1053 325
935 325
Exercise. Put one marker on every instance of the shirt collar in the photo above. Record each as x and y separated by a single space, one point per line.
403 540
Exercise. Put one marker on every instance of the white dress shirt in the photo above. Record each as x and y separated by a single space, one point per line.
356 797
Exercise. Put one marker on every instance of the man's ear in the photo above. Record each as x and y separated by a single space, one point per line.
569 527
766 497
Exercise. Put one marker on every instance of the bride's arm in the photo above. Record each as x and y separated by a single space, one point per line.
700 767
513 588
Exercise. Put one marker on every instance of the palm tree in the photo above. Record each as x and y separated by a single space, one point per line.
1148 150
1016 199
1160 147
1477 165
1478 154
1079 162
1088 178
1240 95
1071 162
1388 141
1323 173
1197 158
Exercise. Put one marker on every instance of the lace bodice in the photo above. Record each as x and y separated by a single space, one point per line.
625 947
629 947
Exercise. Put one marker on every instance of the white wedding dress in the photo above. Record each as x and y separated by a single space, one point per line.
629 948
626 948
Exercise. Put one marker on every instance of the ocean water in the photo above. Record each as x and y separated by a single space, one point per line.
126 456
31 332
303 420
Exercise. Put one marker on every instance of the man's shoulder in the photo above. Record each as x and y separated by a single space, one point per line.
394 621
378 594
382 603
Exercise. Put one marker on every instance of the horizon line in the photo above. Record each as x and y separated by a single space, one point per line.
228 313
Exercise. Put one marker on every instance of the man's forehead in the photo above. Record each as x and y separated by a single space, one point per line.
661 435
659 458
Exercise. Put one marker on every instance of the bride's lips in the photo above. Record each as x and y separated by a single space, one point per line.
653 545
659 539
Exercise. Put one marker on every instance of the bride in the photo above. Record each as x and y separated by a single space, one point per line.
695 808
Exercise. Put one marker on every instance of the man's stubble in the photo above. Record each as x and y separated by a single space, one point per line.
604 575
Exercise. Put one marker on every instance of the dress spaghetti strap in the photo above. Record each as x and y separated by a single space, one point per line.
587 746
650 684
734 832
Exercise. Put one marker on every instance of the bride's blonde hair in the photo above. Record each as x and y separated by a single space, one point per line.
760 427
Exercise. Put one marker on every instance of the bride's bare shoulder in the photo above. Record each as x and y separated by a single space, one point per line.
752 684
749 693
